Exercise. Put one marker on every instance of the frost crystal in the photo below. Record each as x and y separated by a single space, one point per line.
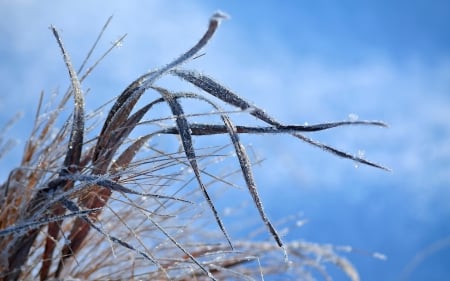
361 155
353 117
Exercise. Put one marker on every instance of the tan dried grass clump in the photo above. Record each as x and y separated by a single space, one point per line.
113 207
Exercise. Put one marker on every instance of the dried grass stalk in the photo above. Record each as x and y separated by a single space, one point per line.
114 207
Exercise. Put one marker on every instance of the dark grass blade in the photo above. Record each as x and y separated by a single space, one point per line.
248 175
212 87
186 139
199 129
74 149
244 163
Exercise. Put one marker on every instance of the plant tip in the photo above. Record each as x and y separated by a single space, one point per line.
219 15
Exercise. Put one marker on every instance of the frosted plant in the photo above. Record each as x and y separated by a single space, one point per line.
110 205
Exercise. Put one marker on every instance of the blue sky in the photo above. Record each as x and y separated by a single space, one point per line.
302 61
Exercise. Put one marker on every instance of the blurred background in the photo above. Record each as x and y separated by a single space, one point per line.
303 62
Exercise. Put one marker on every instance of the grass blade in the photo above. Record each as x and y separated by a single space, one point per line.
186 138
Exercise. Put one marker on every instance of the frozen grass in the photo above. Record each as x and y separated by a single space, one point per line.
112 206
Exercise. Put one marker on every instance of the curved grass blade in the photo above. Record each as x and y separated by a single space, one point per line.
127 100
212 87
244 163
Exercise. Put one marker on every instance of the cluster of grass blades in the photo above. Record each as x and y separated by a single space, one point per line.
114 207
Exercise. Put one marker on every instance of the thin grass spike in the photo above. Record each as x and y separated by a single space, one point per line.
105 26
73 155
